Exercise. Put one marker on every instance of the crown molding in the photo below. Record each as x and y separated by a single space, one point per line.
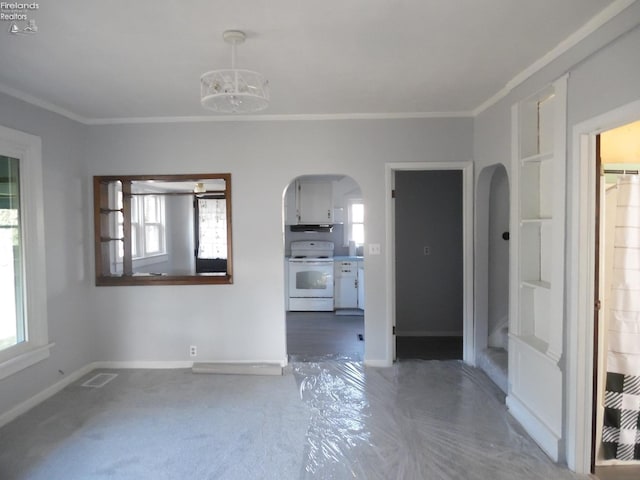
568 43
278 117
38 102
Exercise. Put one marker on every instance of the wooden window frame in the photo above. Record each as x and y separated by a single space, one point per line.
101 213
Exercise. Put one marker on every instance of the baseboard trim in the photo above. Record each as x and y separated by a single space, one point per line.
429 333
377 363
48 392
145 364
224 368
541 434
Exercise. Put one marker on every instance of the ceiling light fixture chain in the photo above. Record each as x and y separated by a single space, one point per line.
234 90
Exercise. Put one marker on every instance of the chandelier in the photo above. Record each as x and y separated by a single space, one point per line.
234 90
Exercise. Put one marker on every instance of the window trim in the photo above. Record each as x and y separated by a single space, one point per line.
28 150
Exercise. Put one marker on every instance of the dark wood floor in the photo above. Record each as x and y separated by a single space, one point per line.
429 348
312 334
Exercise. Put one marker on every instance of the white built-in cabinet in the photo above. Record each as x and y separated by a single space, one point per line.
314 201
536 301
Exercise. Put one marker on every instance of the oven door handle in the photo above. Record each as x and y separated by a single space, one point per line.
311 264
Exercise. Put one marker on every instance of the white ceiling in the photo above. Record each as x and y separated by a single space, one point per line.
120 59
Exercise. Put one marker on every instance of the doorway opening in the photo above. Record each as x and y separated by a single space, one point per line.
324 268
584 315
617 300
492 274
430 258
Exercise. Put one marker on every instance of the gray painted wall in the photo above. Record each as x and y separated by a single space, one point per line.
428 212
157 323
604 74
243 321
591 92
246 321
66 216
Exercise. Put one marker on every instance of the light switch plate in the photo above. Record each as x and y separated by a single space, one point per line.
374 249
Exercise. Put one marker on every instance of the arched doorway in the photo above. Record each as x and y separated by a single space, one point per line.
324 267
492 273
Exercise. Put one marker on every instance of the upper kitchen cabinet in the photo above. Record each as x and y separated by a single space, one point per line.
314 201
319 199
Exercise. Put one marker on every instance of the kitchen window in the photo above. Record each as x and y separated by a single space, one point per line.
23 318
355 224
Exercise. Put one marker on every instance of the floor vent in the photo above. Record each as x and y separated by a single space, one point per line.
99 380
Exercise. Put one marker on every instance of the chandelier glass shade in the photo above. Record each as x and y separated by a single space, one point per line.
233 90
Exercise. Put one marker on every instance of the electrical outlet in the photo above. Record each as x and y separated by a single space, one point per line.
193 351
427 251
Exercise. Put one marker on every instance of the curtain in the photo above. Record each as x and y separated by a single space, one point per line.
621 430
212 228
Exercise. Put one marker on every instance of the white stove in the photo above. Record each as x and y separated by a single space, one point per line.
311 276
312 250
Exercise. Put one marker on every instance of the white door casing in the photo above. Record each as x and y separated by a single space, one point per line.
581 209
468 353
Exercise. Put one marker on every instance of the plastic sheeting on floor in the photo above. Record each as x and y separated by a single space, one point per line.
325 419
416 420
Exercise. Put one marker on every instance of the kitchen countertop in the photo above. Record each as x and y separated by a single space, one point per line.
339 258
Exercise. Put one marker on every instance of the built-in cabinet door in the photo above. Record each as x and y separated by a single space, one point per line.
315 202
346 294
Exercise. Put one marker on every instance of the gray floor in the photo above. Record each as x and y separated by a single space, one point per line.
331 419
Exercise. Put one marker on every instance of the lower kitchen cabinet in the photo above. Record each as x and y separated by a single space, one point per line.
346 284
361 285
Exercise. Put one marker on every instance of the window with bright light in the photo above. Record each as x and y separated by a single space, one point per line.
12 327
211 223
356 222
23 318
148 225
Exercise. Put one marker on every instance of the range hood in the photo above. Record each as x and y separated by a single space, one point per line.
312 228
